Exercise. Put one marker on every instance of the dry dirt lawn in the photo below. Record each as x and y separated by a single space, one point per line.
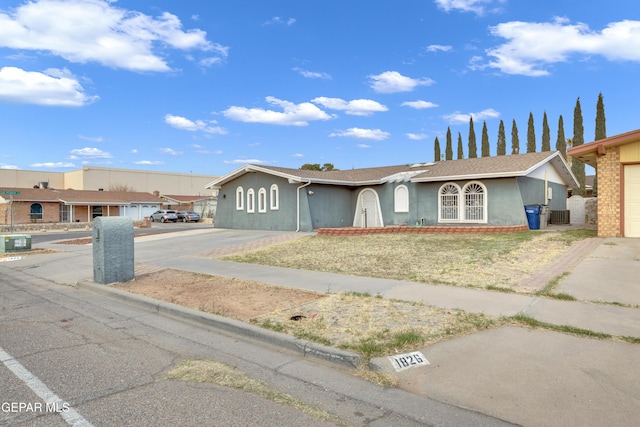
350 320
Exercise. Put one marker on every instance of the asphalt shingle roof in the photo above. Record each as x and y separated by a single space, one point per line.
478 168
80 196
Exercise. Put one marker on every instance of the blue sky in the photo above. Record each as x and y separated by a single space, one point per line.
204 87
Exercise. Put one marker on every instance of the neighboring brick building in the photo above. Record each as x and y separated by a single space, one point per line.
617 160
47 205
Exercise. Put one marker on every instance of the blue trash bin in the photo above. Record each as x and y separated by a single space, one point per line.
533 216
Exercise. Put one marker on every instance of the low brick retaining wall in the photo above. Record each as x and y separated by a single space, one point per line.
64 226
447 229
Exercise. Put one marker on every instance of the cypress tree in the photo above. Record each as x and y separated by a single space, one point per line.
601 133
531 136
473 149
515 141
546 137
448 152
561 142
577 167
502 140
486 149
460 150
436 150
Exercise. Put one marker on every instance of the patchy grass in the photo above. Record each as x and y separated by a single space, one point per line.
497 261
533 323
373 326
209 371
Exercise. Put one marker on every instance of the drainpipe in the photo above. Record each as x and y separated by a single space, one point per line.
298 207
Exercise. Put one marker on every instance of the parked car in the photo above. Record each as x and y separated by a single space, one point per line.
164 215
187 216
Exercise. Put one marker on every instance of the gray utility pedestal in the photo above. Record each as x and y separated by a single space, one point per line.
112 249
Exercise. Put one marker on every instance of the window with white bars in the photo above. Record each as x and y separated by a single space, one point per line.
449 203
474 202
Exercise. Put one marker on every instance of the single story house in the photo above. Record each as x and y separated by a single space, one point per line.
482 191
617 160
33 205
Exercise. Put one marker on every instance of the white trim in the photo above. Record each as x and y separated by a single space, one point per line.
358 218
470 198
401 205
274 197
454 195
240 199
262 200
251 201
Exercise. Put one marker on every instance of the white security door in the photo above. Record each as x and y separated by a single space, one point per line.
632 201
368 210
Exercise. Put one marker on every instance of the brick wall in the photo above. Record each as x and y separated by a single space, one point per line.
357 231
609 193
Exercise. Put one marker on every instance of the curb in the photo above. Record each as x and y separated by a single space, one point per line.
200 318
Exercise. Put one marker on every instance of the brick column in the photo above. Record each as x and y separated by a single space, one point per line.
609 193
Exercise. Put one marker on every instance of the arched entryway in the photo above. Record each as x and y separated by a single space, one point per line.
368 213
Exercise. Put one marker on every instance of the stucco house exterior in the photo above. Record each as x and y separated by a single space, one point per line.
617 160
47 205
489 191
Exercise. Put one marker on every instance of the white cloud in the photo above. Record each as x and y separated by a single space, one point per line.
51 88
358 133
134 151
393 81
460 118
51 165
149 162
419 105
276 20
533 46
97 31
93 153
416 136
363 146
438 48
356 107
5 166
292 114
478 7
297 155
171 151
193 126
312 74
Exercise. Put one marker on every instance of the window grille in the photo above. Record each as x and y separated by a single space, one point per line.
449 205
474 203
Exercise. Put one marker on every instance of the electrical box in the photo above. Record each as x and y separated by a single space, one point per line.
112 249
15 243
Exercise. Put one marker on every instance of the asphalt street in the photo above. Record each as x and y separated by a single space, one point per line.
104 363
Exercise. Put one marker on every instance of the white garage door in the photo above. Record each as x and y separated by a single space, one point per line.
632 201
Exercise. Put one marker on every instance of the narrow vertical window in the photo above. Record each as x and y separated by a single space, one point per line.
251 201
275 198
239 198
262 200
401 199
